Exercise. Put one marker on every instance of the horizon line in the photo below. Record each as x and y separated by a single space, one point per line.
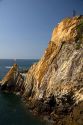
19 59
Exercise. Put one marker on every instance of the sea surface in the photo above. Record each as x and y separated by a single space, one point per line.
12 109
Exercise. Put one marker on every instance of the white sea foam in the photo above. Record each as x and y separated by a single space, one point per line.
8 67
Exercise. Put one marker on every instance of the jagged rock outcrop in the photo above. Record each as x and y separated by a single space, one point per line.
56 81
62 63
13 81
54 86
10 79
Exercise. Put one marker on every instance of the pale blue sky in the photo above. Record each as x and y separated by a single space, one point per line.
26 25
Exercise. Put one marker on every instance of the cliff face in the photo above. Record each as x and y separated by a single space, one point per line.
62 62
56 81
54 85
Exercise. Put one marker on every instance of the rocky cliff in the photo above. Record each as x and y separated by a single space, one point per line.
54 86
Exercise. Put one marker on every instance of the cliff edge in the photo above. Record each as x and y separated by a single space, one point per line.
54 86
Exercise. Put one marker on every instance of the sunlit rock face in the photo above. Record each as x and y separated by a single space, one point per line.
10 79
54 85
62 62
59 74
13 81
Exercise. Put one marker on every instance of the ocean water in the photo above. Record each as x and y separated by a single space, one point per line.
6 64
12 109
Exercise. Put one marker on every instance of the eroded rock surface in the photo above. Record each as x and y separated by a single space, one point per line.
10 79
55 83
13 81
54 86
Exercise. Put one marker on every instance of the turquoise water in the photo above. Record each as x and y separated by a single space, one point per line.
12 110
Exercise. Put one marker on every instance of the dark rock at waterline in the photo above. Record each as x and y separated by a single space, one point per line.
59 73
54 86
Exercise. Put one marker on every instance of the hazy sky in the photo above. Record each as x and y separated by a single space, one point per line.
26 25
